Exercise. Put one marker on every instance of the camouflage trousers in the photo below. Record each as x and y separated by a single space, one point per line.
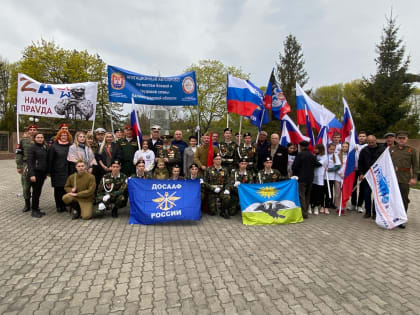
213 199
26 183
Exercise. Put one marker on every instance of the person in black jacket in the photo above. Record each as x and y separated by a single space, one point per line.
59 168
367 158
303 167
37 171
279 154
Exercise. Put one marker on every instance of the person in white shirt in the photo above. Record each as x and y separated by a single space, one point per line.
332 167
357 197
148 156
318 190
336 139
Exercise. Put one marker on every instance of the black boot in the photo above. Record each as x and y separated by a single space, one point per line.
36 213
61 208
224 214
75 210
114 212
27 205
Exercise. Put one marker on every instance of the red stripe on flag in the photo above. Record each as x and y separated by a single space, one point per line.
241 108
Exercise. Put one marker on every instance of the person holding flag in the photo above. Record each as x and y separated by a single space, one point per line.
201 155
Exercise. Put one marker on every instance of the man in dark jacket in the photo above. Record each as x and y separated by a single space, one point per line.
367 157
262 149
279 154
303 167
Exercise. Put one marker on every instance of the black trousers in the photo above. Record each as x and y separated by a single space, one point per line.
317 195
59 192
329 202
369 203
37 188
404 190
304 197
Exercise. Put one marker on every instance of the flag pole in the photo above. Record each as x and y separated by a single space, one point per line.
198 126
259 129
341 200
227 120
240 130
17 128
112 122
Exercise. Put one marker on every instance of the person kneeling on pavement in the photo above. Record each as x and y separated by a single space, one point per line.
111 191
80 192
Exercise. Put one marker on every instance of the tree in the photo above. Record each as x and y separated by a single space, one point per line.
385 106
290 70
6 109
211 78
46 62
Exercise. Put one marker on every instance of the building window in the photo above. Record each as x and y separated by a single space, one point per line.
4 142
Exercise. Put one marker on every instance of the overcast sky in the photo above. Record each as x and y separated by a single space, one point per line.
164 37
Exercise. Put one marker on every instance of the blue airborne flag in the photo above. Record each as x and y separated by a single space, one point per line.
156 201
271 203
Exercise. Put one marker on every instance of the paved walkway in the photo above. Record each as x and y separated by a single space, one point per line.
326 265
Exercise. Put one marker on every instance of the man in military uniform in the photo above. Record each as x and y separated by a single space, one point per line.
404 158
129 146
169 153
141 172
112 190
248 152
269 174
154 142
118 134
239 176
22 167
227 149
215 180
202 152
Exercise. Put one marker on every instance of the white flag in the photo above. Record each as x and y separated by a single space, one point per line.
386 192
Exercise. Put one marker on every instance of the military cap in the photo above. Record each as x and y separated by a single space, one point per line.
243 160
193 165
389 134
100 130
116 130
63 125
304 143
166 137
247 134
176 166
155 127
116 162
227 129
267 158
128 127
217 155
32 126
402 133
140 162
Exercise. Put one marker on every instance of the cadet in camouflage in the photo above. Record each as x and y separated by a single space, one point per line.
227 150
215 181
268 174
248 152
239 176
112 190
140 171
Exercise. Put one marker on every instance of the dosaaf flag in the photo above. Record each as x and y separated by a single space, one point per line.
272 203
158 201
382 180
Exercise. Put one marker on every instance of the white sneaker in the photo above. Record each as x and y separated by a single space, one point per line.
360 209
316 211
309 210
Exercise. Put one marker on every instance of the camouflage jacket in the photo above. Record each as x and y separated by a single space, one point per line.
22 152
273 176
172 154
146 175
227 151
113 186
247 178
248 153
216 177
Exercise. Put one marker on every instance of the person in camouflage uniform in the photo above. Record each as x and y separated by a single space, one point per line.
202 152
160 172
215 182
140 171
176 171
112 190
239 176
269 174
129 147
404 158
168 152
227 149
248 152
22 166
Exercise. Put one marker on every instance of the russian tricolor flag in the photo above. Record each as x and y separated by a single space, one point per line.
290 133
349 134
316 112
134 122
309 132
274 98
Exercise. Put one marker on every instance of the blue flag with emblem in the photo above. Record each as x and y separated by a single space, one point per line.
271 203
158 201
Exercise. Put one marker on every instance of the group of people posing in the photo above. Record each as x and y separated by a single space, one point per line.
92 169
